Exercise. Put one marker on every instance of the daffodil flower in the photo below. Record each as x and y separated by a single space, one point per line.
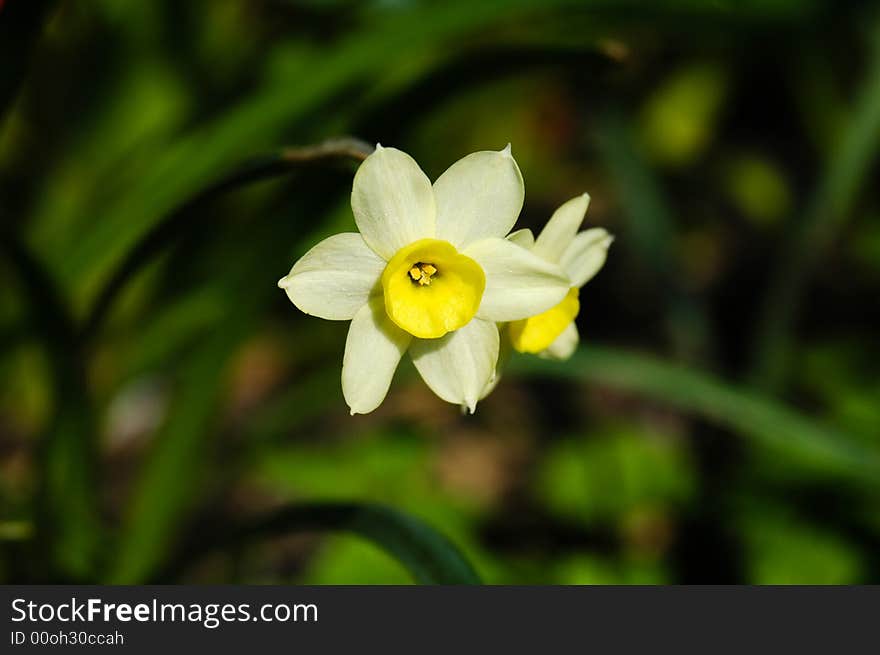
430 272
553 333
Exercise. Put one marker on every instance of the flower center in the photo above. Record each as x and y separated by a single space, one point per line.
431 289
532 335
422 273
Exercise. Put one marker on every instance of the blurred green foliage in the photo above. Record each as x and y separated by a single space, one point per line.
679 118
167 415
758 188
612 475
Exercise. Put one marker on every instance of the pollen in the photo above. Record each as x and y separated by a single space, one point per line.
422 273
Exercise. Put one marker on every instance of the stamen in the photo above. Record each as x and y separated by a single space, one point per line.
422 273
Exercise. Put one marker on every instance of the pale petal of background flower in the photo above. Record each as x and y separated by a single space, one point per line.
585 255
523 237
561 229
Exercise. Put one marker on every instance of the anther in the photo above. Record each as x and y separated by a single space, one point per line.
422 273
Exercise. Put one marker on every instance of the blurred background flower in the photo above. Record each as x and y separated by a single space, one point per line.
720 421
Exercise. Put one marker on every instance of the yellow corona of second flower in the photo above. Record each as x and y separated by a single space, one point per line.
535 334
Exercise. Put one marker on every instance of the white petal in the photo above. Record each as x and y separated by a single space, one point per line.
479 196
564 345
585 255
335 278
518 283
561 228
523 237
392 201
372 351
458 366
